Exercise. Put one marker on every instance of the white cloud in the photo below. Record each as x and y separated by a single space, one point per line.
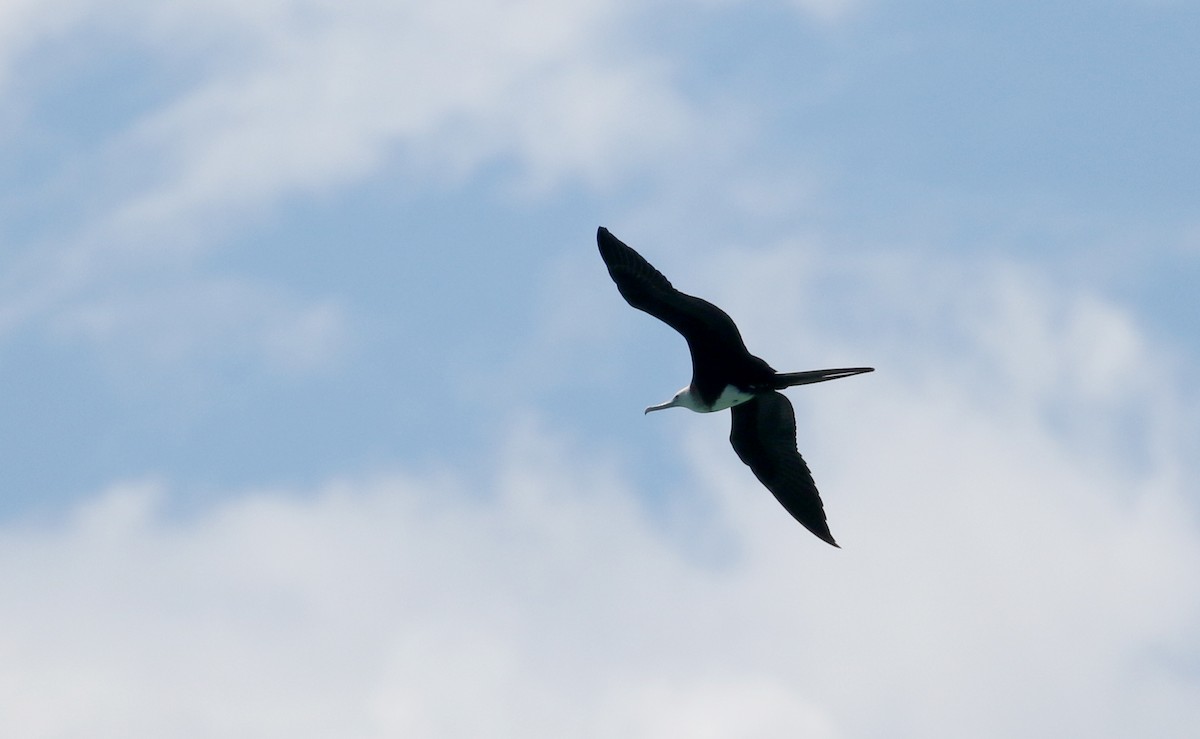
1004 574
995 581
24 23
825 11
292 97
1016 526
325 93
178 324
828 10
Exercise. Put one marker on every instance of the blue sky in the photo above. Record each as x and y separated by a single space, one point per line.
322 417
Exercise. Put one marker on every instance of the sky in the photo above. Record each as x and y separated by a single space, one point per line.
320 415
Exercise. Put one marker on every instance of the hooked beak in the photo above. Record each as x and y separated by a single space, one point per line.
672 403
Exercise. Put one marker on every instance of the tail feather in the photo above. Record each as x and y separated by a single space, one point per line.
790 379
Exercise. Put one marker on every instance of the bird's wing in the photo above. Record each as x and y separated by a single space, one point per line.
707 328
764 436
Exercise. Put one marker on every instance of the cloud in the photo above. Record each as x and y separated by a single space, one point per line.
828 10
24 23
180 325
1020 545
321 94
294 98
1016 525
1002 575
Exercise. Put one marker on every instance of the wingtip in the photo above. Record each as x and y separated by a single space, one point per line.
824 534
612 249
821 531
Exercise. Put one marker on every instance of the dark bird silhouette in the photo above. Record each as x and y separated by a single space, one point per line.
726 375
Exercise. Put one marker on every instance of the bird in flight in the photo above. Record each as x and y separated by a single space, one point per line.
726 375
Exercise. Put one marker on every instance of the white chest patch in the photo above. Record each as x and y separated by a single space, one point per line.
730 397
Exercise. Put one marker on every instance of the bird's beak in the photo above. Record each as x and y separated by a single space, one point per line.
672 403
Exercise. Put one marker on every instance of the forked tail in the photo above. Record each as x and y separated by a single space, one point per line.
789 379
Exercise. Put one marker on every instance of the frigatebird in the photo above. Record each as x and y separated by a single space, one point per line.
726 375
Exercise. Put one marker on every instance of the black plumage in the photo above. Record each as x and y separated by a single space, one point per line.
726 375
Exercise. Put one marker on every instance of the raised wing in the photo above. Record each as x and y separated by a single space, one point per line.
764 436
712 336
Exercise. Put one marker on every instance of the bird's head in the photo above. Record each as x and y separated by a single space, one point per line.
685 398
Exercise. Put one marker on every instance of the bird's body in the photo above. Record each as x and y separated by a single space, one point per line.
726 375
